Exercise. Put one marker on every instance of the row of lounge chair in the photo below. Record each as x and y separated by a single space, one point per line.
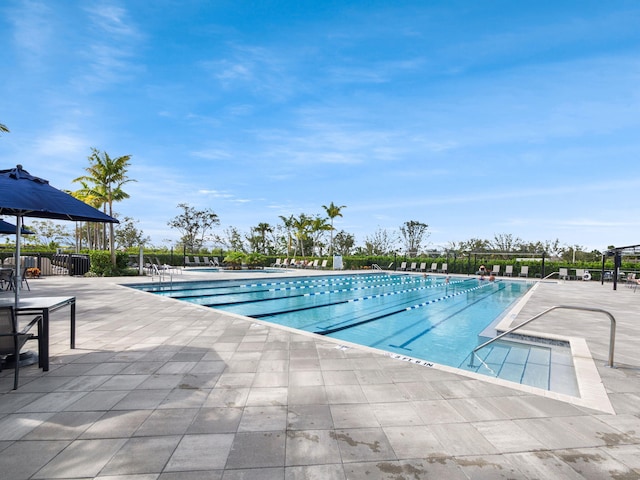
286 263
524 270
423 267
205 262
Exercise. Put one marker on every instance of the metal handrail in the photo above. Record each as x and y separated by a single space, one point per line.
612 335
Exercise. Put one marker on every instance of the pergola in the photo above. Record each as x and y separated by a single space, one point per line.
617 254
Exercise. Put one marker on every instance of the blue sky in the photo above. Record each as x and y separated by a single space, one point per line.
477 118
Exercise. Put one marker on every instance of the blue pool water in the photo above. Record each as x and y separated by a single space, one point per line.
421 317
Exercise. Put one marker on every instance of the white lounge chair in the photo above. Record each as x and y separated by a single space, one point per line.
524 271
434 267
403 266
423 267
323 265
508 271
563 274
579 273
414 266
496 270
444 268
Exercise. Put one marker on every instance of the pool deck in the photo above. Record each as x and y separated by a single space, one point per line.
162 389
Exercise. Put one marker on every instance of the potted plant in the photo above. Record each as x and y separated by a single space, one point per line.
255 260
234 260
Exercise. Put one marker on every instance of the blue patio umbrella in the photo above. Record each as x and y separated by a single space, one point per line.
7 228
24 195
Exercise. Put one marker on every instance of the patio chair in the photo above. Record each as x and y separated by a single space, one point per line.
277 263
12 340
403 266
434 267
524 271
414 266
563 274
444 269
6 278
423 267
508 271
323 265
579 273
496 270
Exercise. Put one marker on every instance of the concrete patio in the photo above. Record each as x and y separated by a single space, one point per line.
161 389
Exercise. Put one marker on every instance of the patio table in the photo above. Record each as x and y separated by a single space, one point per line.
44 306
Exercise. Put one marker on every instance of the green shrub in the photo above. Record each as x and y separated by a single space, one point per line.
101 263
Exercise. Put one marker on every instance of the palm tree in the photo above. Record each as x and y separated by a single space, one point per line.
263 228
94 197
333 211
108 175
288 225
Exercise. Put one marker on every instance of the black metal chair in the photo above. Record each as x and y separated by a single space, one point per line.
12 339
6 277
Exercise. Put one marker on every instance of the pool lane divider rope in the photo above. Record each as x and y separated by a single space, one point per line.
297 284
413 307
327 292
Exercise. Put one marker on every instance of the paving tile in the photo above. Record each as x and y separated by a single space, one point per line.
413 469
257 450
100 400
142 455
309 417
62 426
413 442
82 458
21 460
396 414
175 421
200 452
216 420
364 444
311 447
315 472
273 473
353 416
258 419
268 396
117 424
16 426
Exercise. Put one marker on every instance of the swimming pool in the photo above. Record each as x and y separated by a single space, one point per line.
431 318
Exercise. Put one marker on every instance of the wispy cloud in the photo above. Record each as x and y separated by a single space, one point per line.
111 47
32 30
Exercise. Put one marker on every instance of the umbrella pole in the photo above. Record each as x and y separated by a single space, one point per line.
17 279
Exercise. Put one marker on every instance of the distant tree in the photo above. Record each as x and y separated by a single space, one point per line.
108 175
288 226
317 227
128 236
333 211
258 238
231 239
343 243
194 226
413 234
302 226
49 234
505 242
382 242
475 245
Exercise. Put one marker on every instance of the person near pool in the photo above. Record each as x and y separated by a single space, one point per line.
482 270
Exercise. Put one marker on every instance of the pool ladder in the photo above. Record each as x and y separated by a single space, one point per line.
612 334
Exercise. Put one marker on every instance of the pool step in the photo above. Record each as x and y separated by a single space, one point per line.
549 367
